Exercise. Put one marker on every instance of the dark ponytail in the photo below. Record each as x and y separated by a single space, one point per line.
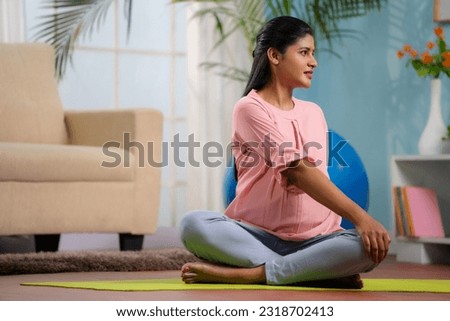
278 33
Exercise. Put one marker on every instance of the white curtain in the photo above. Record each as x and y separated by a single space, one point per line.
210 103
12 21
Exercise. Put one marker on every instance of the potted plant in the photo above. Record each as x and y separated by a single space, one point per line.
72 19
247 17
431 65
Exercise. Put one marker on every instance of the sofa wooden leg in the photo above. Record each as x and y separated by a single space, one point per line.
131 242
47 242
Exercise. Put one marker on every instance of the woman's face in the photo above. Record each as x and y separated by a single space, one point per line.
296 65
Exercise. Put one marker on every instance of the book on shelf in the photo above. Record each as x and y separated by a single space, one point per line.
417 212
399 227
407 211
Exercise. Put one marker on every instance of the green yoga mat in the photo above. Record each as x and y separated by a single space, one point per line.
375 285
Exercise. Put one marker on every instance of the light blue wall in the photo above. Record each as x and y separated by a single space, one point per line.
371 98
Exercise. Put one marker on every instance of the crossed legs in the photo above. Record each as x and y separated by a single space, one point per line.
237 253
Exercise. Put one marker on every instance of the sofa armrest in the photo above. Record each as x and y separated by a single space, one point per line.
144 127
95 128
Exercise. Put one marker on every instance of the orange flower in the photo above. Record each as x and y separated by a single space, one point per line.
427 58
446 56
446 63
438 31
431 62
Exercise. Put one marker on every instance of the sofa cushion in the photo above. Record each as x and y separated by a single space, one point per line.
30 107
25 162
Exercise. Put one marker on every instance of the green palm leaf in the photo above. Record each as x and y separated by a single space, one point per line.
226 71
70 20
232 16
248 16
325 15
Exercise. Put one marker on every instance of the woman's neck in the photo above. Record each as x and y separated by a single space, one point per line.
276 96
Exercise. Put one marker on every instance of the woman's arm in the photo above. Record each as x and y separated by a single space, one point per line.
312 181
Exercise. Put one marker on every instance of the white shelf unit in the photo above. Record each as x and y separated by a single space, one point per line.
433 172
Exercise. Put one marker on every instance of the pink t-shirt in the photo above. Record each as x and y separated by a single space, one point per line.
266 140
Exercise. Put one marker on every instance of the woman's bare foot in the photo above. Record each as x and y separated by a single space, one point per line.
348 282
201 272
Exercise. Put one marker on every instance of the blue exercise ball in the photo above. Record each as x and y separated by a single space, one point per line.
345 169
347 172
229 184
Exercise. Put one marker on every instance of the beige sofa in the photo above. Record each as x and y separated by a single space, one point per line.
56 175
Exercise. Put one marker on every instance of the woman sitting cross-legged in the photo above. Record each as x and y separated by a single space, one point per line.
283 227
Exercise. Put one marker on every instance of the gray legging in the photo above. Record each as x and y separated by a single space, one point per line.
216 238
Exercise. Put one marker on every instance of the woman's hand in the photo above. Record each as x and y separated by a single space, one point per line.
311 180
375 238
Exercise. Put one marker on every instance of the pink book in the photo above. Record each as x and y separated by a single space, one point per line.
424 211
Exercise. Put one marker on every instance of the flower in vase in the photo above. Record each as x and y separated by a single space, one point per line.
429 63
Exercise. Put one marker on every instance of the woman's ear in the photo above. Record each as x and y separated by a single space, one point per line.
273 55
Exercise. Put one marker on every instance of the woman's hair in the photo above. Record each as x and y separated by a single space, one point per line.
278 33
